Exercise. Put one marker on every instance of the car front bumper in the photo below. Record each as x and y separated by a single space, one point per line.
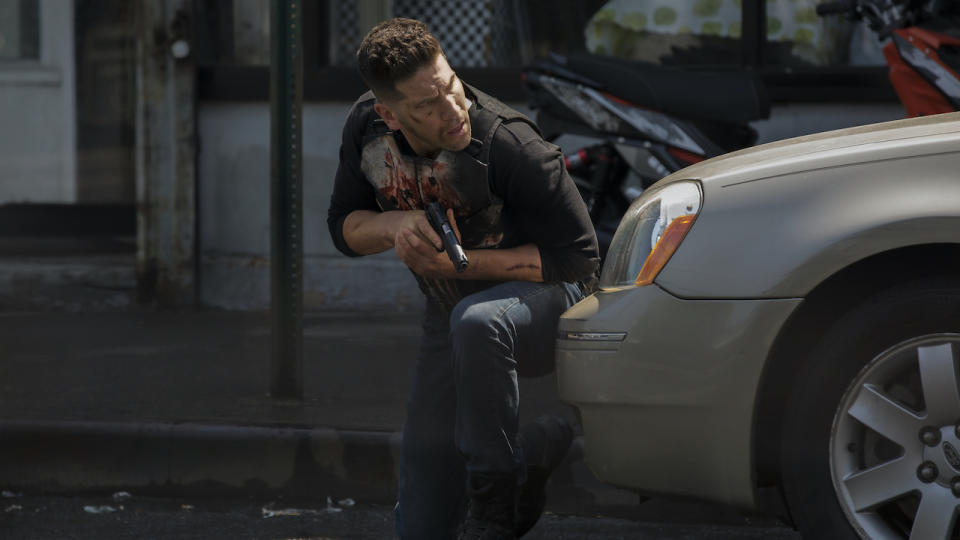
666 388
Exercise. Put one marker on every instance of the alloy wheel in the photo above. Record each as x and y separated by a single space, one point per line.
895 442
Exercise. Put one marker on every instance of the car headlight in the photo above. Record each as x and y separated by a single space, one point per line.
649 233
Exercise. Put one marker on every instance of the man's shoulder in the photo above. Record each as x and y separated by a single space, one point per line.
518 135
360 119
362 108
517 146
514 122
517 132
366 99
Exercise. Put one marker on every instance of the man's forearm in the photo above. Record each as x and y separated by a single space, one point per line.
521 263
368 232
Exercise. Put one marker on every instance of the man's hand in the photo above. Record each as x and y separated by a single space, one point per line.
418 248
415 223
416 244
368 232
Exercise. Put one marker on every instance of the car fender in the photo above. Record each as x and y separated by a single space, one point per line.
781 234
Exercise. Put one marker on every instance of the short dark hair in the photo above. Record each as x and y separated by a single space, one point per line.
393 51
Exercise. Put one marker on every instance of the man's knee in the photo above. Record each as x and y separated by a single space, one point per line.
473 324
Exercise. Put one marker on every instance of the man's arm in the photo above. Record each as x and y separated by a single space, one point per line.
367 232
417 244
353 198
521 263
543 203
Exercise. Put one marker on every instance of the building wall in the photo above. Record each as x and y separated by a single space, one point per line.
234 214
234 173
37 142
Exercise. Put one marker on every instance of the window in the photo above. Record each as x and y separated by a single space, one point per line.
801 57
709 33
234 32
19 30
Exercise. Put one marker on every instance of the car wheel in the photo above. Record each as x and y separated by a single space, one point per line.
871 433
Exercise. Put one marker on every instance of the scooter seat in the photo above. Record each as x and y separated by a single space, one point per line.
735 97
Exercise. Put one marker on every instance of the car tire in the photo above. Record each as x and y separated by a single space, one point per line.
853 430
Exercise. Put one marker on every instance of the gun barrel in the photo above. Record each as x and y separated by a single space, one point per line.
437 216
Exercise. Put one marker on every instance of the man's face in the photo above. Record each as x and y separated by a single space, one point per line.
432 110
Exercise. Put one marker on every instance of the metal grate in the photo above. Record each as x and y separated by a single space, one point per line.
345 33
473 33
461 26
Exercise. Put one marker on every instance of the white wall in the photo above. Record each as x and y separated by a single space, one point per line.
37 118
234 180
234 172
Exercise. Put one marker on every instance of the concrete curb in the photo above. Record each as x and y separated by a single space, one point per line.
198 459
194 459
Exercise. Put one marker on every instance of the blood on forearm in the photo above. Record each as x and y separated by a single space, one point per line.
521 263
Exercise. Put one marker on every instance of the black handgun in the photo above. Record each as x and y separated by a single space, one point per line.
437 216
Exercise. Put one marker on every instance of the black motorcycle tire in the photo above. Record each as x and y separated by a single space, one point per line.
897 315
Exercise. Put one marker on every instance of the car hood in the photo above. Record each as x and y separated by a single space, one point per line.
778 219
914 136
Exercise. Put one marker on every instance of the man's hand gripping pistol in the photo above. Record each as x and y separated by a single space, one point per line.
437 216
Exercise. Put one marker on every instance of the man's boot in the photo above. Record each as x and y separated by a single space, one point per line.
545 442
491 510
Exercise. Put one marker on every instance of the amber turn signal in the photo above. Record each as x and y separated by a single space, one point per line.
666 245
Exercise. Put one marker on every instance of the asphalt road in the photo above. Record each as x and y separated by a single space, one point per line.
119 518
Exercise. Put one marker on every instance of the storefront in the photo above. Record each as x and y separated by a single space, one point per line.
157 113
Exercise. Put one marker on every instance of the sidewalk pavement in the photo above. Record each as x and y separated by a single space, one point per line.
99 395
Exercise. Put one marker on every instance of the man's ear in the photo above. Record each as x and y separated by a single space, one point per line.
386 113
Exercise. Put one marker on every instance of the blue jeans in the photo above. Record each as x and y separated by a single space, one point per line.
462 414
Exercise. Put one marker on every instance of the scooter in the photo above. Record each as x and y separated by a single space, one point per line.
924 50
652 121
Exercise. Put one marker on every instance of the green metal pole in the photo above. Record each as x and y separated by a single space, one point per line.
286 209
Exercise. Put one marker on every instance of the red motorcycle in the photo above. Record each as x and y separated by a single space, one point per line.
924 52
655 120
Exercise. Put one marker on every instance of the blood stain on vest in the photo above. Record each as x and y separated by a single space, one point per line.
395 180
395 176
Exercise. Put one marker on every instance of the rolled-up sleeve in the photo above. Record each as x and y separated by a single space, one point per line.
351 191
541 199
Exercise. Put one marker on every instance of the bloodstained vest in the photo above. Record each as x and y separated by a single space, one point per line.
459 180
